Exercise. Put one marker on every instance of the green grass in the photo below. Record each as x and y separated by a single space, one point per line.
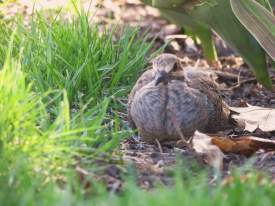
77 57
61 87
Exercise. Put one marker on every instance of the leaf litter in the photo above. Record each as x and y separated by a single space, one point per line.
253 117
230 149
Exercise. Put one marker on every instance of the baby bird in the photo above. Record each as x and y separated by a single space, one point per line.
169 102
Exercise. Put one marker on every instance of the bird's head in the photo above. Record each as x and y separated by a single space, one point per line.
165 65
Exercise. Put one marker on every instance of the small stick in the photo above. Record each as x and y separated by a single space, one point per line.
159 146
226 76
240 83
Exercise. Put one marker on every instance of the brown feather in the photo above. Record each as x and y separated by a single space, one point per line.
187 101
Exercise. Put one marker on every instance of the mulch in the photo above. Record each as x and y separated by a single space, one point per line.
155 165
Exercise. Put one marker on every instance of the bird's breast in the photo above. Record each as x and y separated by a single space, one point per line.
161 111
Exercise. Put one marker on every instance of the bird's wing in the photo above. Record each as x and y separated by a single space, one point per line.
205 83
200 79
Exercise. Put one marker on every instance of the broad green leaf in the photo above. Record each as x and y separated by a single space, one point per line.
266 4
167 4
272 3
207 44
203 32
222 20
219 17
259 21
173 4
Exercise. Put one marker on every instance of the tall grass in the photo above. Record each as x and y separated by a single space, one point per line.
27 130
64 83
58 84
77 57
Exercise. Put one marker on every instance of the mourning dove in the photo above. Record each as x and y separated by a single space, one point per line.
169 102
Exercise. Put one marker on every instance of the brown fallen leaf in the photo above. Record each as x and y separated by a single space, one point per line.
261 179
246 145
82 173
203 144
230 180
253 117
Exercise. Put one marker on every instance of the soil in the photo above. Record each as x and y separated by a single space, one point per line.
155 164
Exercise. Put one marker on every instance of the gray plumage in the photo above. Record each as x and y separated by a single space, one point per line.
169 100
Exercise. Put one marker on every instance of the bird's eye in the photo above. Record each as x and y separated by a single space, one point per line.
175 67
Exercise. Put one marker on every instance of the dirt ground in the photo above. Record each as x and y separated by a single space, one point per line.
154 165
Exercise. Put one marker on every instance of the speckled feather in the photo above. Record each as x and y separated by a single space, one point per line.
188 102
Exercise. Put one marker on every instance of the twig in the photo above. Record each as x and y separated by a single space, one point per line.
226 76
240 83
176 36
159 146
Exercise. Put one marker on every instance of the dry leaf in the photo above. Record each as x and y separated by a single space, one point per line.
202 144
261 179
246 145
253 117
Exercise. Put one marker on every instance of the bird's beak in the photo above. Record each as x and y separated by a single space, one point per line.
161 77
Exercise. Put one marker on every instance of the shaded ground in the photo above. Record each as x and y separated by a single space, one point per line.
240 88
